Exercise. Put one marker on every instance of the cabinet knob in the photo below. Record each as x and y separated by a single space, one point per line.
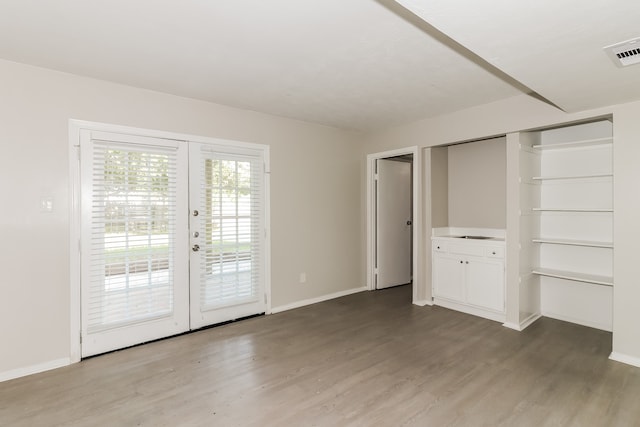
467 262
493 253
460 262
438 247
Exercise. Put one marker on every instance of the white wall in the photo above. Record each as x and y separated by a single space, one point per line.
526 113
626 233
494 119
315 197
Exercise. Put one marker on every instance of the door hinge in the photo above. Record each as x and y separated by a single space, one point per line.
80 337
265 298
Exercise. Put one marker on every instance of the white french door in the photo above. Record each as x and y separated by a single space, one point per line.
133 236
172 237
227 233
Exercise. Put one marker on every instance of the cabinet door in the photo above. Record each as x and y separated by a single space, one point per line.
485 283
448 277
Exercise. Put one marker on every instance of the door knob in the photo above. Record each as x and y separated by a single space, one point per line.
196 248
196 213
409 222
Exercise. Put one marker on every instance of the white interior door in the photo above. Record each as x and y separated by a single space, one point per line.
227 198
134 262
393 223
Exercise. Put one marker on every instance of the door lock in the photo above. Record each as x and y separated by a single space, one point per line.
195 248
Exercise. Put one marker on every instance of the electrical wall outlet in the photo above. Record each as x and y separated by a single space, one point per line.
303 277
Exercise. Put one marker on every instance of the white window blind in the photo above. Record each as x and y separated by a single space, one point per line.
133 224
231 218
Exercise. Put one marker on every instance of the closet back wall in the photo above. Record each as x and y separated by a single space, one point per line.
477 184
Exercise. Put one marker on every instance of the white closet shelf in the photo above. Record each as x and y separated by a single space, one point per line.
578 277
575 144
570 242
571 210
559 177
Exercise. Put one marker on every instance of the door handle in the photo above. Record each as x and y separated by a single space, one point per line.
409 222
195 248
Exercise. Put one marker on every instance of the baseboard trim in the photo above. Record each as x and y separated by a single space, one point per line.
582 322
316 300
529 321
623 358
513 326
524 324
34 369
423 302
476 311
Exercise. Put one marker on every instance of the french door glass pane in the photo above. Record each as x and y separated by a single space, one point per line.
231 208
133 221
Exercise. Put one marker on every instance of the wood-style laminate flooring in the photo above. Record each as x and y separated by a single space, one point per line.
369 359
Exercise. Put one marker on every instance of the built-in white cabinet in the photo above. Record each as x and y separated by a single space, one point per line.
485 283
468 275
557 256
448 277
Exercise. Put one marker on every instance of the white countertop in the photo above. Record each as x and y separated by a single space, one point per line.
493 234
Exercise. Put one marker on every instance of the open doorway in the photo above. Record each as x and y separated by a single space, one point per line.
393 220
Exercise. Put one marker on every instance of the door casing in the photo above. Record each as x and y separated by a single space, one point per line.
419 281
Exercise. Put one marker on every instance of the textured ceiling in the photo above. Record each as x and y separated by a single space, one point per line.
553 47
357 64
352 64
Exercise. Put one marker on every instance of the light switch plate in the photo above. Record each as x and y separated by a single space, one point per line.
46 205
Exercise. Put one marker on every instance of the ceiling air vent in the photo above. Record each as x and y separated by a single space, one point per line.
624 53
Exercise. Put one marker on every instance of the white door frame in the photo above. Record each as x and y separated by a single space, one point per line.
417 235
75 128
